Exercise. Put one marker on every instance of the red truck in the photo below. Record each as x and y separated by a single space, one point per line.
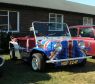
86 33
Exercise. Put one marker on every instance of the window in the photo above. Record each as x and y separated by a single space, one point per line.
57 22
9 21
87 32
3 20
73 32
87 21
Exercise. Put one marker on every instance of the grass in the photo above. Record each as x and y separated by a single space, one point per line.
18 72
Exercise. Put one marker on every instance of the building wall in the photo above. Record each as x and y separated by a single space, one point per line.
30 14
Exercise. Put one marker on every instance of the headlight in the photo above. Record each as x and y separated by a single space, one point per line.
58 46
81 45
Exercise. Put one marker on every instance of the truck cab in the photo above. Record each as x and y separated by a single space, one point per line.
85 33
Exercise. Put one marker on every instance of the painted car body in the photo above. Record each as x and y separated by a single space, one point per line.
85 33
58 49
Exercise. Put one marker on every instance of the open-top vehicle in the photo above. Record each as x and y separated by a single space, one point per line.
48 46
87 34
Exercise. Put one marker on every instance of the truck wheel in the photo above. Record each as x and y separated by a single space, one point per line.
38 62
83 62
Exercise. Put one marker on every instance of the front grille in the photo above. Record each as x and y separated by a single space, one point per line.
70 49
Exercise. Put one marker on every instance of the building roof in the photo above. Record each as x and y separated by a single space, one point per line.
55 4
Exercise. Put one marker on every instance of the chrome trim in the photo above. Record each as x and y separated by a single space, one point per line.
52 61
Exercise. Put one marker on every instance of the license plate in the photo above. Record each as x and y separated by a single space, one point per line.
64 63
73 62
69 62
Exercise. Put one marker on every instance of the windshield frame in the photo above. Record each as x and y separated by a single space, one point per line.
33 26
36 37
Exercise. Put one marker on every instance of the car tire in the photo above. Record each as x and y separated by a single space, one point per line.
38 62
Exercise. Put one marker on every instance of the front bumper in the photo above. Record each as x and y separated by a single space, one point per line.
69 59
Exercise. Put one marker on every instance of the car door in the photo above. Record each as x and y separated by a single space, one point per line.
23 47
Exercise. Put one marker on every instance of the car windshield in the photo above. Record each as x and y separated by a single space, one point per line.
50 29
86 32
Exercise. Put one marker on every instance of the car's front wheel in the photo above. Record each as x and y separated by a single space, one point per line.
38 62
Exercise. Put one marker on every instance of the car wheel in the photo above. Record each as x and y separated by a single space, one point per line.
38 62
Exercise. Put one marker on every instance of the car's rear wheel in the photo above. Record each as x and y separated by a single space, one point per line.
38 62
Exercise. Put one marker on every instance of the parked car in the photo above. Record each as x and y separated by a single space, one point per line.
48 46
85 33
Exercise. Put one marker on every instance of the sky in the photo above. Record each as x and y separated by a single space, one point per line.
87 2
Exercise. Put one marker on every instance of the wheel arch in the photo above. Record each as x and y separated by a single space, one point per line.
38 51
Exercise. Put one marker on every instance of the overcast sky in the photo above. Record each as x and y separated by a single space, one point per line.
88 2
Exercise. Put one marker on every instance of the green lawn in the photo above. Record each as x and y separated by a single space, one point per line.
20 73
